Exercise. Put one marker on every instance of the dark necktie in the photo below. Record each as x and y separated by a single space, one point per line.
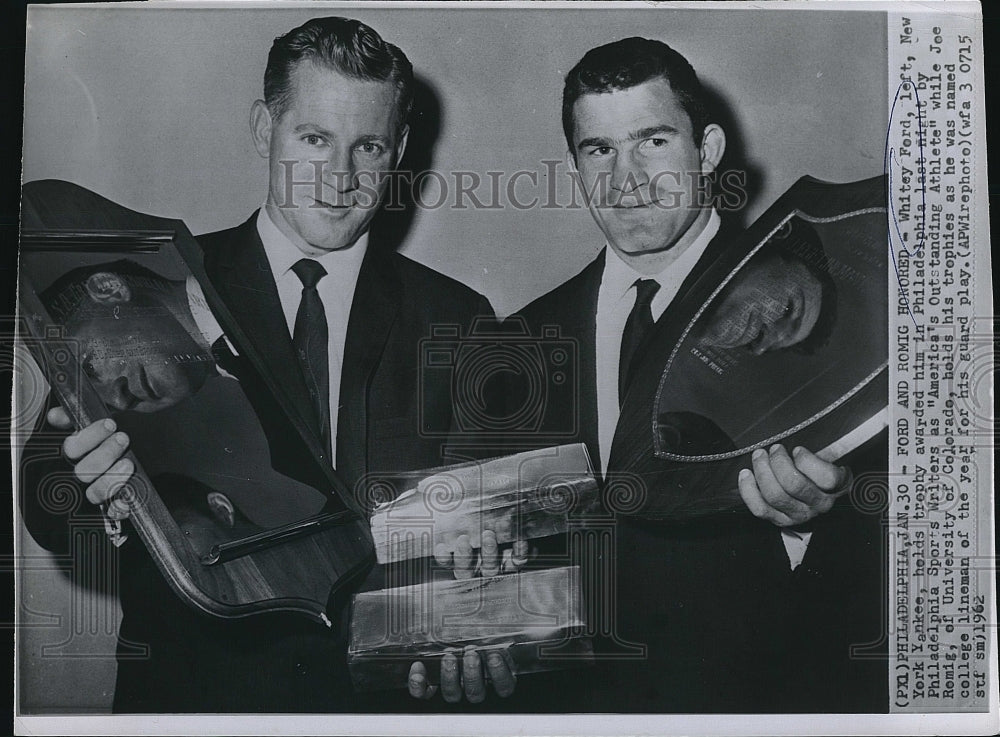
310 338
640 320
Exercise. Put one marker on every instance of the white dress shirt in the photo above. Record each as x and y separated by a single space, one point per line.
336 290
615 300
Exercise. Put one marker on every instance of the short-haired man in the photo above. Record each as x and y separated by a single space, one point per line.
337 321
708 599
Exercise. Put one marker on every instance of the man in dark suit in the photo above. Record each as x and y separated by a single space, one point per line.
703 615
337 323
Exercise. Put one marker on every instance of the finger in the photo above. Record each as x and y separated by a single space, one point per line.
58 417
519 554
828 477
489 555
771 490
416 683
472 676
503 680
755 502
799 486
83 441
101 458
442 554
118 509
110 483
506 564
451 684
792 481
463 557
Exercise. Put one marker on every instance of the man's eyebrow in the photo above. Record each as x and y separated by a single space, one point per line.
661 130
594 142
313 128
654 130
373 138
319 130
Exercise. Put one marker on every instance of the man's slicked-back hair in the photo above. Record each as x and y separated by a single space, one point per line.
346 46
630 62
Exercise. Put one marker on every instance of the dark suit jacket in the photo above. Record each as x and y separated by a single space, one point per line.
726 625
173 659
384 394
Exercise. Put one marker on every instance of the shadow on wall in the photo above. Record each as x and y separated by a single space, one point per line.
723 112
393 224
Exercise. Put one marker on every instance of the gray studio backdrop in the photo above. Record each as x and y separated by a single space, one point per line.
149 107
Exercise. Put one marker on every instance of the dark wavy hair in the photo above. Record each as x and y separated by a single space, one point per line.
344 45
630 62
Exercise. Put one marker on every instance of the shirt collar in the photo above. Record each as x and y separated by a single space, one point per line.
619 276
283 254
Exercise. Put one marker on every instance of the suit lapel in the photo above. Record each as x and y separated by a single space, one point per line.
702 276
578 306
634 434
240 272
373 313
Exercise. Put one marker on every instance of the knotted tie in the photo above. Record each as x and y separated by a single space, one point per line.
310 338
640 320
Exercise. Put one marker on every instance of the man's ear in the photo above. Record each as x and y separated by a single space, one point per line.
713 145
401 146
260 128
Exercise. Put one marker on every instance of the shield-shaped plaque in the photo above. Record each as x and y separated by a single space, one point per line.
120 313
782 339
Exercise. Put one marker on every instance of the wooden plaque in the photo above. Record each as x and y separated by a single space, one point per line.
111 299
781 339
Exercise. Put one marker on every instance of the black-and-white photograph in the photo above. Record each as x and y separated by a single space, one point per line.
597 365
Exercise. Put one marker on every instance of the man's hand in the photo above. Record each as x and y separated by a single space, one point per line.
465 677
96 454
789 490
464 562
